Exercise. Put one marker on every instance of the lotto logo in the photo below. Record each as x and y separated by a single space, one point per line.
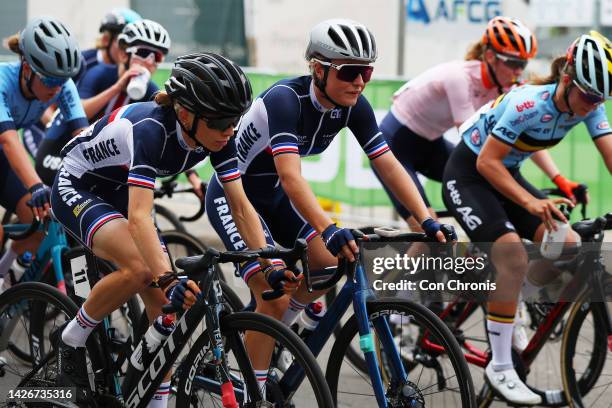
525 105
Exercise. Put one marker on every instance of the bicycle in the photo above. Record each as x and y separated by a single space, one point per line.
165 216
220 360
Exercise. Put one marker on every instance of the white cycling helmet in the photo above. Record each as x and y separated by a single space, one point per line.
591 55
342 39
145 32
49 48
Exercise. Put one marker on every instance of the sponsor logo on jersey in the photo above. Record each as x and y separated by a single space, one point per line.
603 125
525 105
545 95
471 221
475 137
453 192
546 118
79 207
335 114
506 132
523 118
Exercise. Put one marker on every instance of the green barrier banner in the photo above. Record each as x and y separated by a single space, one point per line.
343 173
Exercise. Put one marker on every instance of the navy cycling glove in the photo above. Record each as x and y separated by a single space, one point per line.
176 294
40 195
334 238
431 228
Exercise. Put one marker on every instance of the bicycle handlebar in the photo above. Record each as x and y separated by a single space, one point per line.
169 188
17 236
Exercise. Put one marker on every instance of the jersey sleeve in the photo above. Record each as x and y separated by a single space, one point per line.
517 115
225 162
456 86
69 104
597 122
148 139
362 123
283 110
6 117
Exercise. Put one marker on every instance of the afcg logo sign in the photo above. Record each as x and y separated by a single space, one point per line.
472 11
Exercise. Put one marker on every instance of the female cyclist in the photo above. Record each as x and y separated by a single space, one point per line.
103 193
106 52
483 186
448 94
142 45
41 78
300 117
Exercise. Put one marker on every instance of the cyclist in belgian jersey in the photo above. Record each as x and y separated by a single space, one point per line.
448 94
142 46
483 186
300 117
28 87
106 51
103 193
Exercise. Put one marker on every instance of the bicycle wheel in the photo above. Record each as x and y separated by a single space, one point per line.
433 380
166 220
21 310
197 386
585 361
181 244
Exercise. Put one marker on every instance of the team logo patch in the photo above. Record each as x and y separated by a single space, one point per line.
603 125
475 137
545 95
525 105
546 118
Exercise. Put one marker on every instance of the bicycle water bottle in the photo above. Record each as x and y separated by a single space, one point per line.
552 243
310 317
157 333
18 268
137 87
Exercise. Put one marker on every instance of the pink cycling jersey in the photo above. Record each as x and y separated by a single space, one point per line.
442 96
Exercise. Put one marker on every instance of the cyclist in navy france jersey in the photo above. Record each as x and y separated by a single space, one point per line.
300 117
142 45
27 88
106 51
485 191
103 193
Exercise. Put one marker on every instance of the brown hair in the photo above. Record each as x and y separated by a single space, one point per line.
476 52
104 40
557 67
12 43
163 99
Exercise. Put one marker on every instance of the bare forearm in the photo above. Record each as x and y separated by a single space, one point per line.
305 202
145 236
96 103
20 162
544 161
249 225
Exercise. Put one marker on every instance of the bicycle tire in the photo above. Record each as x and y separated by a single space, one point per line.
169 217
30 292
579 391
231 327
426 320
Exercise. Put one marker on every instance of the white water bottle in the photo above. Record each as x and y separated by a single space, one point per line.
310 317
552 243
157 333
137 87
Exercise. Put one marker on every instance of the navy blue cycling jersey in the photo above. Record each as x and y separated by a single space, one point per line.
288 119
17 112
137 143
527 119
89 59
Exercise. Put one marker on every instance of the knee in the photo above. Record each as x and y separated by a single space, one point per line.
510 259
138 275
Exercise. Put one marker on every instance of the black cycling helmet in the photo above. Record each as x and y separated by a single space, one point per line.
117 18
209 85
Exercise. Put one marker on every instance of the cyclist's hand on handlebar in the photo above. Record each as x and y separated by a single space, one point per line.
442 232
340 242
568 188
40 201
282 279
545 208
183 294
196 183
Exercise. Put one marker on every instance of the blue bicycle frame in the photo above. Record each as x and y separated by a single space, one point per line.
355 289
50 250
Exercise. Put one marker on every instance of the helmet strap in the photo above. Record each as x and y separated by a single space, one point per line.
322 84
29 80
500 89
566 92
192 132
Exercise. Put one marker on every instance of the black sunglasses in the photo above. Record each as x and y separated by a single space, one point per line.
145 53
512 63
350 72
221 123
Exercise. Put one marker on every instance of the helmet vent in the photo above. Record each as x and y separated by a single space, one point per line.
45 29
38 64
58 60
56 27
365 41
39 42
335 38
68 57
351 39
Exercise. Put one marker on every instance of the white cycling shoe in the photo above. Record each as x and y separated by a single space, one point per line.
508 385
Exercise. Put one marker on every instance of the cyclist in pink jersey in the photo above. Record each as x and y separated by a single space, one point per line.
448 94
